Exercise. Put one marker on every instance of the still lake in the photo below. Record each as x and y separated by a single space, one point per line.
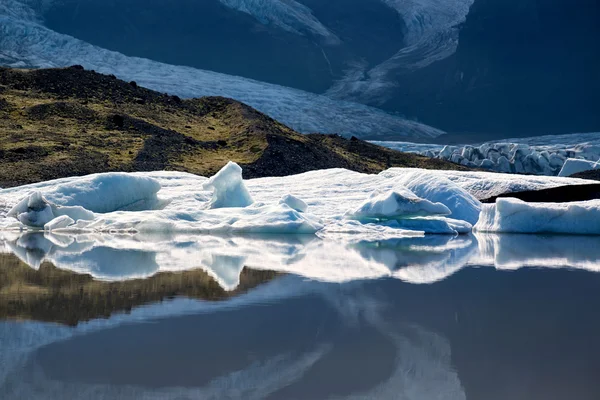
468 317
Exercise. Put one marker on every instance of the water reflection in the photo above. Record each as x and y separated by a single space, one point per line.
425 259
480 333
463 332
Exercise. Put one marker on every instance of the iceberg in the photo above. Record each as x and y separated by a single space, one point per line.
229 189
396 204
462 205
516 216
61 222
573 166
36 211
487 185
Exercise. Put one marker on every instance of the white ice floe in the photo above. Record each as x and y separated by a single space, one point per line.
516 216
573 166
395 203
481 185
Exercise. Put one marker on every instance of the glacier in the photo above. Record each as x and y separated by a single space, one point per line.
26 43
289 15
432 35
540 155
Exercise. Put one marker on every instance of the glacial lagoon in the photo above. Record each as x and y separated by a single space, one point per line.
299 317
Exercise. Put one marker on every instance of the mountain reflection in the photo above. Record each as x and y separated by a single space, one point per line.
74 278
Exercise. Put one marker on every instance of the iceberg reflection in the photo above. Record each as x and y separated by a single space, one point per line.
420 260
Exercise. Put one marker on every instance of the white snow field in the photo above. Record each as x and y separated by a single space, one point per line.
550 155
26 42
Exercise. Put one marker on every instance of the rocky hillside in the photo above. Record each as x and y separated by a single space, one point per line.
64 122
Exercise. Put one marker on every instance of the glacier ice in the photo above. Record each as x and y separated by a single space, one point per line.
540 155
61 222
289 15
572 166
387 205
229 189
462 205
294 203
395 204
431 35
485 185
516 216
35 210
434 225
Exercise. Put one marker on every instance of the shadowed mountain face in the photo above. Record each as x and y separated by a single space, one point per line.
287 46
521 68
477 69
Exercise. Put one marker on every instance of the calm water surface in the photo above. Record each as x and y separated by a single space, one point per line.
463 318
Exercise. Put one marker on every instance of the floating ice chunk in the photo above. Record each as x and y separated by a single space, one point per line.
60 222
397 203
229 188
294 203
36 211
33 210
573 166
277 219
516 216
462 204
434 225
77 213
107 192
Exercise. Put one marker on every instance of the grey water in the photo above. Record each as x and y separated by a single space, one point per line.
508 317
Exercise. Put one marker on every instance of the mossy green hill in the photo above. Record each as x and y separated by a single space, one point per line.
64 122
